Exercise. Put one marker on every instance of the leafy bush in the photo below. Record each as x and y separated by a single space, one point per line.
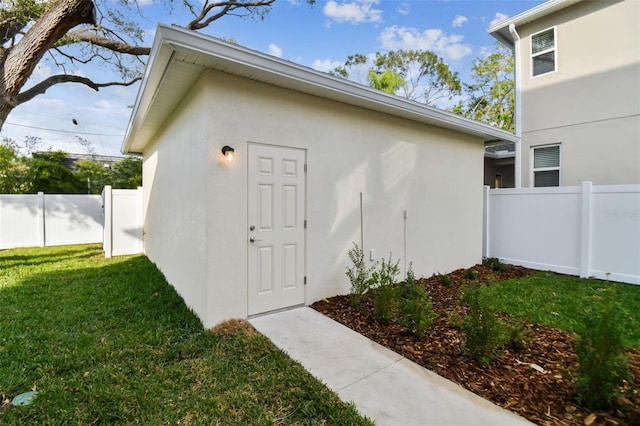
445 280
483 331
471 274
385 295
359 275
519 337
415 310
455 320
496 264
602 364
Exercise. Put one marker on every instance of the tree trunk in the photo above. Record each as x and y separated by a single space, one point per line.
18 62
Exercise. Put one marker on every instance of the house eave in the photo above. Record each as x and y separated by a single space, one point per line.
500 30
179 56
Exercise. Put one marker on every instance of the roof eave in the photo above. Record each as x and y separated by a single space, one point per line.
500 30
170 40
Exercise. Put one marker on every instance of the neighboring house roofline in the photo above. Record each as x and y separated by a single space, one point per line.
179 56
500 30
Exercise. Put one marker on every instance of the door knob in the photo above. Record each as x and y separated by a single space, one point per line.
253 240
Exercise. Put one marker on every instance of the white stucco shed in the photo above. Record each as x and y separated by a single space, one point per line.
319 162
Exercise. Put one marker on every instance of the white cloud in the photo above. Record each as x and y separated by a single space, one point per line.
404 9
355 12
459 20
275 50
499 17
325 65
447 46
103 104
145 2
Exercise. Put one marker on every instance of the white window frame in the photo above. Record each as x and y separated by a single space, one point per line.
554 49
532 177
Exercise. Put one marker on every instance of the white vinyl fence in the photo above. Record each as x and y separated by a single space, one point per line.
588 231
113 218
49 220
122 221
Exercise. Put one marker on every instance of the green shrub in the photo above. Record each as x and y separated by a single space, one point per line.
484 332
385 295
496 264
519 337
471 274
415 310
445 280
359 275
602 364
455 320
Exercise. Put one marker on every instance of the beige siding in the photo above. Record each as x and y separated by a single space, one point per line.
591 103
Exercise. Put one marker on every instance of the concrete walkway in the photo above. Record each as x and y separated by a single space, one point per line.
383 385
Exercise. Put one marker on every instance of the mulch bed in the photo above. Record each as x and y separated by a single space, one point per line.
514 380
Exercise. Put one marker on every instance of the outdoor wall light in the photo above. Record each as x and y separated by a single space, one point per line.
227 151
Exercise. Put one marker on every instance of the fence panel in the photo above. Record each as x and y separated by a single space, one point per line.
586 231
123 221
21 220
616 232
72 219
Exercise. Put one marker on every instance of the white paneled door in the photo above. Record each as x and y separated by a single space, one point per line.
276 234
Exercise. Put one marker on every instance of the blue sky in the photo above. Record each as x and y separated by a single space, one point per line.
320 37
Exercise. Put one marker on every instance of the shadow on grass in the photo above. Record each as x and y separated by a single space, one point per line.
112 342
37 256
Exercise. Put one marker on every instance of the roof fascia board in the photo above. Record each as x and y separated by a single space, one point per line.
159 57
500 30
170 39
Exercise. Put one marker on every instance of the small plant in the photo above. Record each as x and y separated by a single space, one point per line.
471 274
415 310
496 264
519 337
445 280
455 320
385 295
603 365
359 275
484 332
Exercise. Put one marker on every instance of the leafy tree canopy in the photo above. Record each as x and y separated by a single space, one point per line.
490 96
419 75
47 172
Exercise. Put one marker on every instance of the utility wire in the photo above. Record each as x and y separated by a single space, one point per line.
61 131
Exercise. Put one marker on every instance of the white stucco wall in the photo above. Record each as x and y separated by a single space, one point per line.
175 185
434 174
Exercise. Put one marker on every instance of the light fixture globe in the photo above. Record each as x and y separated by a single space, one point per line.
227 151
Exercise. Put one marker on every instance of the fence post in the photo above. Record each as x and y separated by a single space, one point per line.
585 232
485 224
41 220
140 218
108 211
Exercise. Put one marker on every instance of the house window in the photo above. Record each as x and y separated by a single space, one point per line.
543 52
546 166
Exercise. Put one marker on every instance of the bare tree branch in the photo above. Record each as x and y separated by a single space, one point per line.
227 6
42 87
86 35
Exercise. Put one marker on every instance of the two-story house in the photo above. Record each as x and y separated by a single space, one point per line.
577 92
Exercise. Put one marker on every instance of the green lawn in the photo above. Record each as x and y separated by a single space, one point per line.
562 301
107 341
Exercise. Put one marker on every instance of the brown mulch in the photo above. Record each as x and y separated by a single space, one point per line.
514 380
